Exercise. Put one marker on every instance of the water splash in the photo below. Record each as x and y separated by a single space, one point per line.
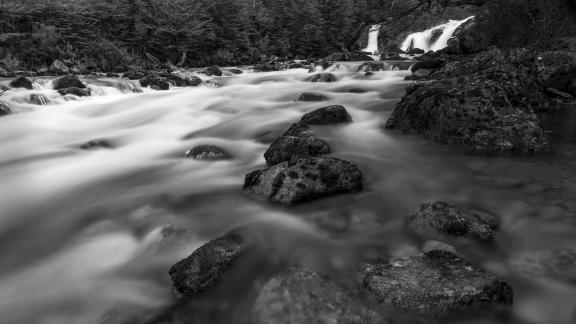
433 39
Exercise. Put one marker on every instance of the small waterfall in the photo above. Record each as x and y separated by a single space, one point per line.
373 33
433 39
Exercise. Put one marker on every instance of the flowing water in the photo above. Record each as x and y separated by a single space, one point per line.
433 39
81 231
372 45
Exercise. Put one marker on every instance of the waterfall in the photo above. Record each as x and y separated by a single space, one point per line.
433 39
373 33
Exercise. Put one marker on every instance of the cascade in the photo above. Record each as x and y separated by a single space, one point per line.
433 39
373 33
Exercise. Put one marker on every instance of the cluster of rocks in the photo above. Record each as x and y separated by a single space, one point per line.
433 285
485 102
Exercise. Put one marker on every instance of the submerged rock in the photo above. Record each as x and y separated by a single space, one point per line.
68 81
299 295
298 142
327 115
321 77
302 180
311 96
4 109
450 224
435 284
207 153
155 82
38 99
21 82
212 70
96 144
557 265
207 266
75 91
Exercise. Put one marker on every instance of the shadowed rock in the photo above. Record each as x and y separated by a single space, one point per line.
75 91
311 96
321 77
155 82
299 295
447 223
327 115
557 265
303 180
4 109
212 70
68 81
21 82
286 148
435 284
59 68
557 70
206 266
208 153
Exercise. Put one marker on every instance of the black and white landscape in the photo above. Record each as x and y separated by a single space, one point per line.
287 161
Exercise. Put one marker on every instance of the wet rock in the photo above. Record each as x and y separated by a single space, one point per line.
559 265
447 223
485 103
134 74
75 91
298 142
358 57
416 51
207 153
327 115
269 67
96 144
21 82
297 65
4 109
112 75
557 70
68 81
321 77
206 266
193 81
356 90
58 67
212 70
38 99
299 295
155 82
302 180
469 38
435 284
311 96
235 71
373 66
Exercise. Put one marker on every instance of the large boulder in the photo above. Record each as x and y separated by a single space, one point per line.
435 284
321 77
207 153
4 109
557 70
298 295
79 92
207 265
68 81
298 142
485 103
155 82
443 222
58 67
212 71
470 38
21 82
326 115
302 180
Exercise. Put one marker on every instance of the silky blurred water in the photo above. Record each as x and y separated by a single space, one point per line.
81 230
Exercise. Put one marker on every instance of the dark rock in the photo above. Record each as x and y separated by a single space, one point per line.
485 103
235 71
338 56
416 51
134 74
299 295
297 66
21 82
112 75
75 91
557 70
212 70
559 265
176 79
321 77
4 109
435 284
323 64
373 66
356 90
358 57
57 67
207 153
96 144
326 115
68 81
432 63
155 82
435 35
5 72
446 223
298 142
38 99
206 266
470 38
303 180
193 81
311 96
269 67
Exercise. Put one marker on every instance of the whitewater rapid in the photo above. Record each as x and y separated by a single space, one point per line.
428 40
